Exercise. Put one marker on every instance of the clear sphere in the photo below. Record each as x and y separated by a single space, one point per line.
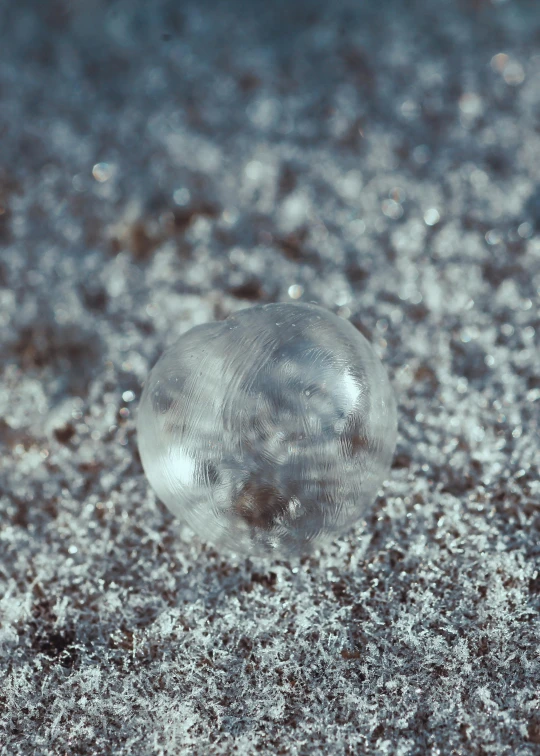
269 430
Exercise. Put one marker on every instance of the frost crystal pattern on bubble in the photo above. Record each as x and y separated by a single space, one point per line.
269 430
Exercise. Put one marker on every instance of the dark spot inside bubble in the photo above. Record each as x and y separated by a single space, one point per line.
355 443
166 37
260 504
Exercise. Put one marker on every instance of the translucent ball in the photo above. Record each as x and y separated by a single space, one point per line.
269 430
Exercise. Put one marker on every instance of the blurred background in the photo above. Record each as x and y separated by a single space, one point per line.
164 164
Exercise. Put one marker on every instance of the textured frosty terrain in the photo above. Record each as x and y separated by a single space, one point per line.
269 430
166 164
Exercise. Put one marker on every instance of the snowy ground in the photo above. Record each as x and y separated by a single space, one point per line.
163 164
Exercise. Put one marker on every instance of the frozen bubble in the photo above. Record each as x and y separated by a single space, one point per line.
269 430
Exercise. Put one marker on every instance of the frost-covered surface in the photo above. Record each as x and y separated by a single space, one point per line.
163 164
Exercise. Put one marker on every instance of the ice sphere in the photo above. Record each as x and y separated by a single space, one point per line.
269 430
